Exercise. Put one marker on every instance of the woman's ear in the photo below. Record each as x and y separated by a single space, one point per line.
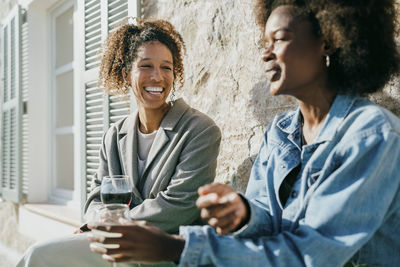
327 48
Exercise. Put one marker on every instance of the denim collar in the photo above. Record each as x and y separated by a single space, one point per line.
340 108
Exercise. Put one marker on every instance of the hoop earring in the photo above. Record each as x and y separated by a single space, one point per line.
327 61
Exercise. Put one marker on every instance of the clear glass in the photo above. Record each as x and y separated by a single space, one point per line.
65 161
65 99
116 189
109 214
64 38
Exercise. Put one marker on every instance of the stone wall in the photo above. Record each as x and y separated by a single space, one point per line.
9 234
225 77
5 7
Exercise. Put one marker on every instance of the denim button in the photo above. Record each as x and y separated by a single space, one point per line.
283 166
294 194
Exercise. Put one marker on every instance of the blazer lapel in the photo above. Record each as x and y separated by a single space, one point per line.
128 147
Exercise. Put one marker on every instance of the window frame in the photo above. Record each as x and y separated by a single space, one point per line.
59 195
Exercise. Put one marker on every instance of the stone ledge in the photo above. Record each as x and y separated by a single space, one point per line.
41 221
62 213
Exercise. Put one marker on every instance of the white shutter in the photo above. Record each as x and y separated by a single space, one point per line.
100 18
92 33
11 179
117 11
24 89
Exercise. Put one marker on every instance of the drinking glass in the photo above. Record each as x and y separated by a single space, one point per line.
116 196
109 214
116 189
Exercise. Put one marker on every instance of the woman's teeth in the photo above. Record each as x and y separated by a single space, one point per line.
154 90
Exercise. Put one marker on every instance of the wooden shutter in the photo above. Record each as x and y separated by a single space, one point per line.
11 179
100 18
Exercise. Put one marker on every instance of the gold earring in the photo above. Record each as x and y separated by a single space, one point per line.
328 61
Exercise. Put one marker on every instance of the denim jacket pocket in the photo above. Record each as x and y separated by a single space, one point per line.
313 178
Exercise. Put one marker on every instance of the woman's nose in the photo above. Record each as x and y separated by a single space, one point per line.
267 53
156 74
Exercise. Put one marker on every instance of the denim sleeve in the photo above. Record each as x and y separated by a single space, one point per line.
342 213
260 222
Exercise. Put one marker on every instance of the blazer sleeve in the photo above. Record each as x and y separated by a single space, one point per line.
176 205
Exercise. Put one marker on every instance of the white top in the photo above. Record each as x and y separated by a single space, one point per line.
144 144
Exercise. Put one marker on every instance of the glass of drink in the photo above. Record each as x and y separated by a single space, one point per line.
116 189
110 214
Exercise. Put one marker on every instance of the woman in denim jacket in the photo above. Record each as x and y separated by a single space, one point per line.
324 189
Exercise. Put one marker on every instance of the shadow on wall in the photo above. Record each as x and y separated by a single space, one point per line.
262 107
241 177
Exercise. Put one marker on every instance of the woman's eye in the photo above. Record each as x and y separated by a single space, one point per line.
145 66
167 68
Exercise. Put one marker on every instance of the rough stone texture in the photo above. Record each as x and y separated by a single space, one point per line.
5 7
9 234
389 97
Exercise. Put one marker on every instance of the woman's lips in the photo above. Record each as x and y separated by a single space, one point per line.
273 74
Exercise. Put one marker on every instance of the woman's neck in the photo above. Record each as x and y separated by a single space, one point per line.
314 110
150 119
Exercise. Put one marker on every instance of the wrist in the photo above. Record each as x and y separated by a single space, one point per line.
177 244
246 217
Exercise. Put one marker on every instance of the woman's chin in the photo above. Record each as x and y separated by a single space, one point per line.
274 89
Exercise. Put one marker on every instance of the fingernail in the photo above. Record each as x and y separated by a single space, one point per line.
219 230
95 246
213 197
213 221
228 198
108 258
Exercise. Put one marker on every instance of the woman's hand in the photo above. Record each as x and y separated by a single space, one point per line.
140 242
222 207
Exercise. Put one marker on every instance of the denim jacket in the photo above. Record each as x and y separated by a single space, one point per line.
344 205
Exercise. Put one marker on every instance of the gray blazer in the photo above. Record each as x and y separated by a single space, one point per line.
182 158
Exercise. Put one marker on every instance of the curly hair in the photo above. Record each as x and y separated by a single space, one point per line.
360 33
120 51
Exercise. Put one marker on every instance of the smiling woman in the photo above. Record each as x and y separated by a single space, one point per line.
152 76
168 149
121 52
